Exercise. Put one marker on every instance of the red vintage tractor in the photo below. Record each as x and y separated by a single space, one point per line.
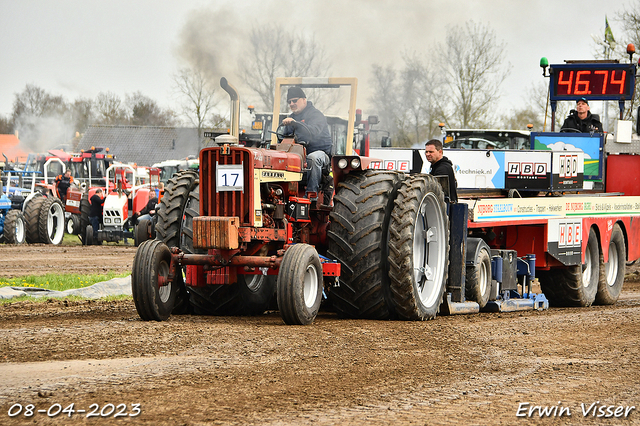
241 234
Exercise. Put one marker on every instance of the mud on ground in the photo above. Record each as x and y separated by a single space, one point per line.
475 369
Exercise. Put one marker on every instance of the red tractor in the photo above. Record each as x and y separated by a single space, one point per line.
240 234
129 190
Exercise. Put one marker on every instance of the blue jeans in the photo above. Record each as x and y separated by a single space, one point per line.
316 161
95 224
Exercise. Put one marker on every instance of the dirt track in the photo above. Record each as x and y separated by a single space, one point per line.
224 370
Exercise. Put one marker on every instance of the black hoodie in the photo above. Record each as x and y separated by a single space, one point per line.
444 167
591 123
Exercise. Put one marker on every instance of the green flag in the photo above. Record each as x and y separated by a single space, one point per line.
608 34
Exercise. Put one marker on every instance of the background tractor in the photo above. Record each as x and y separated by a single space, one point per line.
128 190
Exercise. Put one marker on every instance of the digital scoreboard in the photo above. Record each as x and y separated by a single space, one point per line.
593 81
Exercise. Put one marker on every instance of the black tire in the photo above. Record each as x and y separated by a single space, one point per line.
612 273
170 212
88 236
51 221
478 278
419 241
251 295
153 295
300 285
168 228
73 224
571 285
142 232
32 218
358 236
15 230
85 209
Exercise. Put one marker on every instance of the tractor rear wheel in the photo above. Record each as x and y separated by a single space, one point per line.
14 228
153 293
418 248
612 273
169 225
32 218
300 285
573 285
358 239
51 221
170 212
251 295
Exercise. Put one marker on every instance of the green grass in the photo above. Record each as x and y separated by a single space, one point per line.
59 282
69 298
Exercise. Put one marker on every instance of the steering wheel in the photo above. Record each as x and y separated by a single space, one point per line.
282 133
569 130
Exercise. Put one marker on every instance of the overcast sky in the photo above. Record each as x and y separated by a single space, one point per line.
82 47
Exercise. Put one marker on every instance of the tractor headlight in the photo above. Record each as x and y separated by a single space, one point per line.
117 220
355 163
342 163
107 220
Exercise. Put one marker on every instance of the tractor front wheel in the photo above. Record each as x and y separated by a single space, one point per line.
153 293
300 285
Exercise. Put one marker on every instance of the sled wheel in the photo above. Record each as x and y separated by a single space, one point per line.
300 285
153 294
612 272
478 275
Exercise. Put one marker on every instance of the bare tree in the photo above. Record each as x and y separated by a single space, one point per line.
198 96
385 98
472 67
275 53
82 113
6 125
630 20
109 109
406 100
34 102
144 111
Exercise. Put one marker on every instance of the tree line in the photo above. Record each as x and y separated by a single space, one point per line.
457 82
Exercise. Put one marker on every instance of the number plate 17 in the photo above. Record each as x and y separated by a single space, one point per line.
229 177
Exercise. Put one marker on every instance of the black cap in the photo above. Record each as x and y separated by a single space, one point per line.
583 100
295 92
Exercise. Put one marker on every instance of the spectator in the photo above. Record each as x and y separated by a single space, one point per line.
441 166
95 212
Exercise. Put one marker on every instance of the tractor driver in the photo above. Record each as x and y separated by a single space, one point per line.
63 182
441 166
310 125
582 120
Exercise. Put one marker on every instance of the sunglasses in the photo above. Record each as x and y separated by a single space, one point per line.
293 101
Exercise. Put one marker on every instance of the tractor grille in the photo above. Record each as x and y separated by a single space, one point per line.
226 203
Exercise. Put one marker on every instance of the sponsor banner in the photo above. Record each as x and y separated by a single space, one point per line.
564 240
